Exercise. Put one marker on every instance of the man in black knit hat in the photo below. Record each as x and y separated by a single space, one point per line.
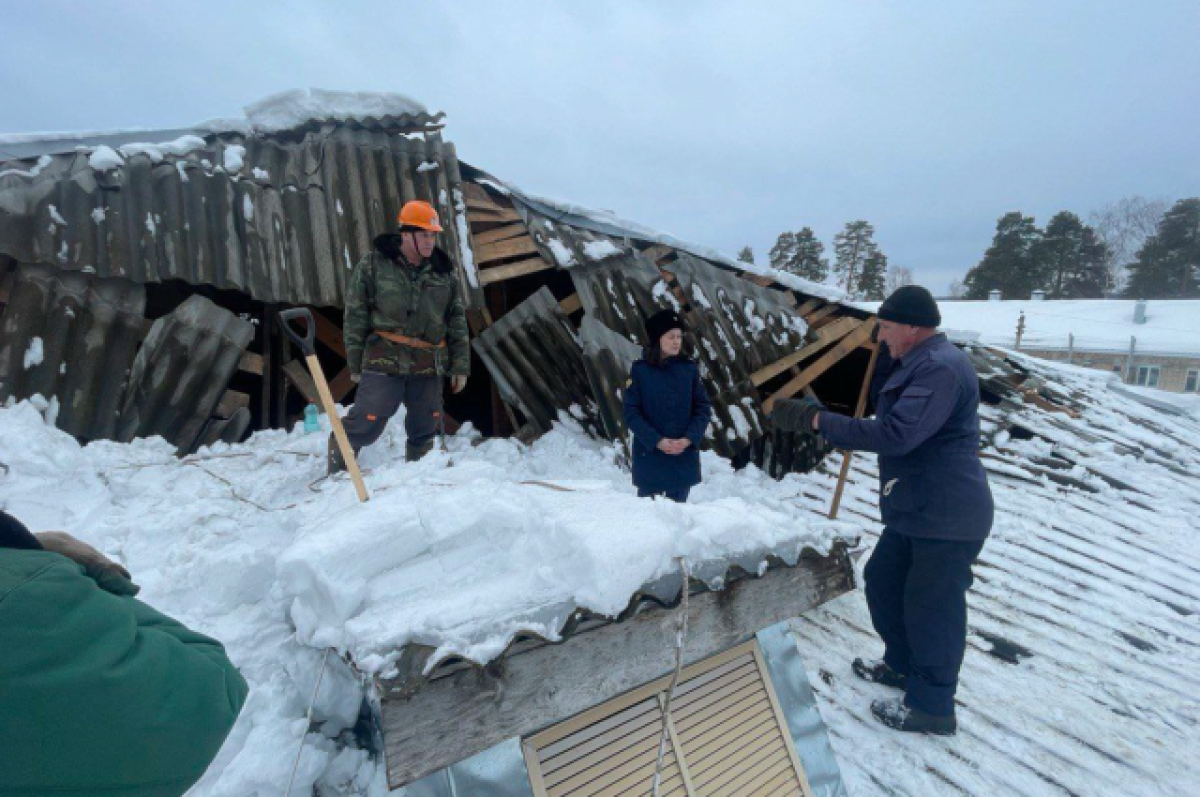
934 500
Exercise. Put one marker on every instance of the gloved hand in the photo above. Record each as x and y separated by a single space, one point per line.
796 415
107 574
356 378
457 383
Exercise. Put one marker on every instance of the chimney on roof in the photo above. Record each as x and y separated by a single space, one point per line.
994 295
1038 296
1139 312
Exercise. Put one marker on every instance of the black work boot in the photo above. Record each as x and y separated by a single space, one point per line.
896 715
336 464
413 453
877 671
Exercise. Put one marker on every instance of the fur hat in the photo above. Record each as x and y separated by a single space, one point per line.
661 323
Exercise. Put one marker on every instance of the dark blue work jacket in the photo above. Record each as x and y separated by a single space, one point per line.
926 433
667 400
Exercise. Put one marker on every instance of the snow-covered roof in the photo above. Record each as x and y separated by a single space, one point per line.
1080 676
1104 325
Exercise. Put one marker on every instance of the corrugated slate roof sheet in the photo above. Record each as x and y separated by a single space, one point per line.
283 218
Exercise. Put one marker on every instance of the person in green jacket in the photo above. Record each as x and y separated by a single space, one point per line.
99 693
405 329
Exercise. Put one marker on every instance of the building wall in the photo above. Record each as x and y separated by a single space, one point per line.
1172 374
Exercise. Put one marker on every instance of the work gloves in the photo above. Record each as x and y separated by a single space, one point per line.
795 415
107 574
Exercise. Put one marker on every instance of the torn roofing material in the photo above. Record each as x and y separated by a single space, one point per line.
282 218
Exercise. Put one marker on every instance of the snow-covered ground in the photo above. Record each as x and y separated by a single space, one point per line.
459 551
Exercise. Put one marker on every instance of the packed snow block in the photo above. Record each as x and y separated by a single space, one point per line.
181 372
70 338
537 363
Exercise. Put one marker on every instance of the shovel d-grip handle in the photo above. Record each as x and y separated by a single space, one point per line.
306 343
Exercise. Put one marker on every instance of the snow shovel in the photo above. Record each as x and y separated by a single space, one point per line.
314 367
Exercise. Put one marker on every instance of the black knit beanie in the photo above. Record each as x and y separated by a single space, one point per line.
661 323
912 305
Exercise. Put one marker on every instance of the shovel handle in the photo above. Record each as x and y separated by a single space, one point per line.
306 343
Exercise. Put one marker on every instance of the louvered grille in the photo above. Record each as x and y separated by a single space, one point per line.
726 737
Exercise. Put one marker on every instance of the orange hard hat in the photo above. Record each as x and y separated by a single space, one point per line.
419 214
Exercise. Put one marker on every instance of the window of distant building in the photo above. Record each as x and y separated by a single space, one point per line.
1192 385
1147 375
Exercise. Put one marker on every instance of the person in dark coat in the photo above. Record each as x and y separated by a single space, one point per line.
934 500
99 693
668 412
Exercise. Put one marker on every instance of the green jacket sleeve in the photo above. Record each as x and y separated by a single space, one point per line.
102 694
356 322
458 337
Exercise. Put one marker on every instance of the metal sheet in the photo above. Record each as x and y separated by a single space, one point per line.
285 220
181 372
799 706
496 772
87 330
536 361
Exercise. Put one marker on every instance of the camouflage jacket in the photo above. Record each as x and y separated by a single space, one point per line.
422 303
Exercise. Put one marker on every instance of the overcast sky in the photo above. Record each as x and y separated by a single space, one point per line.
720 122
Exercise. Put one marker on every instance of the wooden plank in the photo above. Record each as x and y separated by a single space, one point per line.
817 315
251 363
428 725
826 337
330 334
302 381
758 279
502 250
499 234
847 344
341 385
571 303
477 215
230 403
808 307
509 271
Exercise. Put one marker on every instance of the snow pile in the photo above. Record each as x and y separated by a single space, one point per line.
104 159
234 543
158 152
289 109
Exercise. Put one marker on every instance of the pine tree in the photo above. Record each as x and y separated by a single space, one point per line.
853 246
1074 259
808 261
746 255
1009 263
783 251
1168 264
871 280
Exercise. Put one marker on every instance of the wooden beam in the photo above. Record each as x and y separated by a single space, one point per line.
302 381
251 363
510 270
330 334
808 307
571 303
817 315
428 725
500 234
341 385
860 335
476 215
501 250
230 403
758 279
831 333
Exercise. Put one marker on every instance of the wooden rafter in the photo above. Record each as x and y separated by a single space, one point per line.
827 336
508 271
816 316
859 336
500 234
502 250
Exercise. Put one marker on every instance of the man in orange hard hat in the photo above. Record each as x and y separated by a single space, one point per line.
405 330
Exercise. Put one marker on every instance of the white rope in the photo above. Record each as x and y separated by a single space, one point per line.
311 704
680 639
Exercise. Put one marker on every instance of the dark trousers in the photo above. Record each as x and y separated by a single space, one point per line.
679 496
380 396
917 593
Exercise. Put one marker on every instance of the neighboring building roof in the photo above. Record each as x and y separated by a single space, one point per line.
1100 325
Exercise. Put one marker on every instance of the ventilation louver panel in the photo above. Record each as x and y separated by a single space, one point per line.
726 737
